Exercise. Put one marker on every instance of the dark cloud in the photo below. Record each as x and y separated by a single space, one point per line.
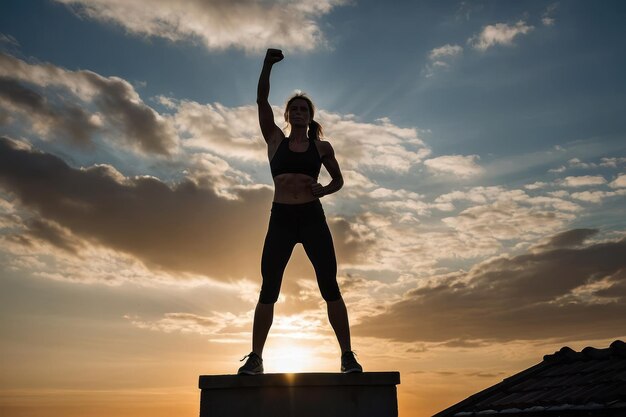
618 287
64 95
192 318
566 293
66 120
21 96
569 239
480 374
53 234
418 349
181 228
350 282
140 124
459 343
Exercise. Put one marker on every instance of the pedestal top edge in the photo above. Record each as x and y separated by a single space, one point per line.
298 379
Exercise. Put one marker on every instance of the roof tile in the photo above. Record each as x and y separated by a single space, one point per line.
591 380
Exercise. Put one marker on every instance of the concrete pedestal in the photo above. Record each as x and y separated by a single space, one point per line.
368 394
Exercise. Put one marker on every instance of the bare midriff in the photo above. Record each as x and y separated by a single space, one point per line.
293 188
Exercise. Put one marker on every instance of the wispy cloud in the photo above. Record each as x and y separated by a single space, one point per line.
8 40
597 196
583 181
227 327
441 58
619 182
578 164
445 51
568 239
243 24
380 146
547 17
612 162
499 34
463 166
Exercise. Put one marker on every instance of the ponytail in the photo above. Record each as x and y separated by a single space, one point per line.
315 130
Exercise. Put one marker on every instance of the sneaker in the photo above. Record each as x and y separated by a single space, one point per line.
349 363
253 366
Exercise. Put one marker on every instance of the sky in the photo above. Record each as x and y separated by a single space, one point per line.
480 227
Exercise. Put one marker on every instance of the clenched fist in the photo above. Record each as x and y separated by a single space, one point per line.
273 56
317 190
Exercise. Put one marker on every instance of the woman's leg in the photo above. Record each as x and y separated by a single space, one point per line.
263 317
338 317
279 244
318 245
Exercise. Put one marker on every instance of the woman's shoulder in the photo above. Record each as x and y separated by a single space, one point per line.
276 138
324 147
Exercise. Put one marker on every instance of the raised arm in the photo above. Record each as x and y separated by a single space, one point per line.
266 117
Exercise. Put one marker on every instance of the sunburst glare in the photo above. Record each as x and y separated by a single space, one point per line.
290 358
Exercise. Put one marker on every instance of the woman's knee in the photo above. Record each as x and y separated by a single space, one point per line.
330 292
269 296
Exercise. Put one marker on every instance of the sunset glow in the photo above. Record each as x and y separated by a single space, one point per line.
291 358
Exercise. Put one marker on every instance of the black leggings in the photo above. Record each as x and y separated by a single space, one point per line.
298 223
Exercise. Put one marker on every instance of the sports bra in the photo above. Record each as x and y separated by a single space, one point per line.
286 161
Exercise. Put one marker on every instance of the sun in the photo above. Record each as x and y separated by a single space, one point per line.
290 358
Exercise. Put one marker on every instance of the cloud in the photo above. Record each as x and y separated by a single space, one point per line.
379 147
406 238
546 17
445 51
558 170
612 162
225 327
441 58
59 108
180 228
42 248
64 119
506 221
567 293
536 185
463 166
491 217
180 322
583 181
597 196
232 132
215 139
229 132
499 34
92 104
577 163
465 10
245 24
568 239
619 182
52 233
8 40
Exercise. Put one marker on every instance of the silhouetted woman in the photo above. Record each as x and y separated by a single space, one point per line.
297 216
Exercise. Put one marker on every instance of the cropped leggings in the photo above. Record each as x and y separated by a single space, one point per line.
298 223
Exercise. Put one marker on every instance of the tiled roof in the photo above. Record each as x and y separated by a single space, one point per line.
567 383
